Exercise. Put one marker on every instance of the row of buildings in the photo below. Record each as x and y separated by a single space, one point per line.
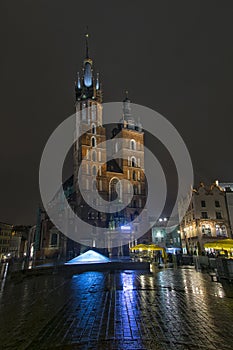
209 217
15 241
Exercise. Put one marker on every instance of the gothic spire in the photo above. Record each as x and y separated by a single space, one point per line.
87 86
87 47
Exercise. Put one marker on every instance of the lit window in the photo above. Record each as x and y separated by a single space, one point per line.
133 145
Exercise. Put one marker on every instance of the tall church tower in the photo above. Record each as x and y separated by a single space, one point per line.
90 158
90 133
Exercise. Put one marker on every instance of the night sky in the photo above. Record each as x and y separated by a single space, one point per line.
173 56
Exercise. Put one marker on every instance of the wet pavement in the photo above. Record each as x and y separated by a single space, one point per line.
168 309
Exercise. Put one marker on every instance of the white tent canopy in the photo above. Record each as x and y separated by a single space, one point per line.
89 257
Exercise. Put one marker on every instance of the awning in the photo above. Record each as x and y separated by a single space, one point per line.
149 247
226 244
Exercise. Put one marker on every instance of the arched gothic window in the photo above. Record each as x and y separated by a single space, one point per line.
93 141
94 172
133 162
93 129
94 156
133 145
112 189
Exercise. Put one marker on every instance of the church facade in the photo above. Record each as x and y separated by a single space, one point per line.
98 171
90 159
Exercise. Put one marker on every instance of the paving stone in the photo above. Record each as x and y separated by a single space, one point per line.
171 309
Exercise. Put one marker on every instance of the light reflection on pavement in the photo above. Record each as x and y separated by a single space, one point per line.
170 309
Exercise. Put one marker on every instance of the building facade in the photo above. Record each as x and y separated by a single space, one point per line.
46 241
19 243
5 237
168 238
228 188
205 219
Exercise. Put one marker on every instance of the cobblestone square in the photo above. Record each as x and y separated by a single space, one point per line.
168 309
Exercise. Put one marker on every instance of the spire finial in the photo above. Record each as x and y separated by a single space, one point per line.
78 81
126 99
87 48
